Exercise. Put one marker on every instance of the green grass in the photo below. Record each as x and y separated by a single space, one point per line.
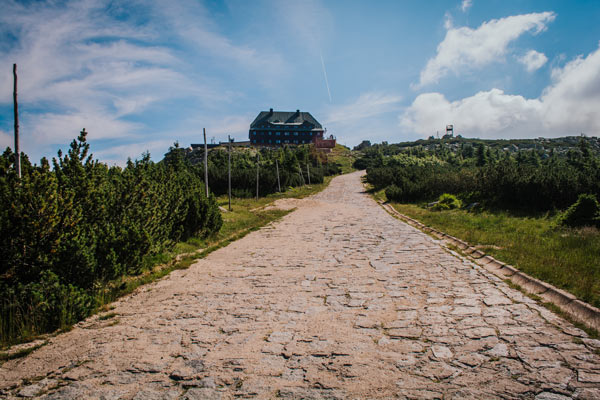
343 156
21 353
247 215
566 258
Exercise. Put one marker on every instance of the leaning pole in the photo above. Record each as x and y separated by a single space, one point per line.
16 108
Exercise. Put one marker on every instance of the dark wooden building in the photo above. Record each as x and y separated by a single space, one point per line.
278 128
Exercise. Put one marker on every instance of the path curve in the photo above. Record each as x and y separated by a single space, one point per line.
336 300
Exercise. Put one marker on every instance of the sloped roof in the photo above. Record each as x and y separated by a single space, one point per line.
285 118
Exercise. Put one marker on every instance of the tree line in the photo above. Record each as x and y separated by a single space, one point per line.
296 166
70 227
525 181
67 230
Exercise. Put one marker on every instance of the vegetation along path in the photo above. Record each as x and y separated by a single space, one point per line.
336 300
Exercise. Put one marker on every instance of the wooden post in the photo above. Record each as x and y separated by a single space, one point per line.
16 108
301 175
205 163
229 171
308 172
278 182
257 161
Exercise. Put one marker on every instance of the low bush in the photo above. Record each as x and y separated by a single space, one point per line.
393 193
584 212
67 231
447 202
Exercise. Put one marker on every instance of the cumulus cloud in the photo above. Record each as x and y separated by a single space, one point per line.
486 114
567 106
466 4
533 60
466 48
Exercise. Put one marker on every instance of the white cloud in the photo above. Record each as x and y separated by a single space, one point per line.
235 125
117 155
486 114
568 106
367 105
52 128
448 22
100 64
466 4
193 24
466 48
308 21
533 60
370 116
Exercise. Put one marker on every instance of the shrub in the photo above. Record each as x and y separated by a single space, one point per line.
446 202
393 193
584 212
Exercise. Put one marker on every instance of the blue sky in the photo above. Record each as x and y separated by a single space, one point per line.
140 75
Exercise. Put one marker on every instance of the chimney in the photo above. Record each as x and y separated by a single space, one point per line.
298 111
270 111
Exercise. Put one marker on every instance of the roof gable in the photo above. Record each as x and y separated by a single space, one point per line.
285 118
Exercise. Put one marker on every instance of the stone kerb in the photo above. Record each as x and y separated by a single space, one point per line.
568 303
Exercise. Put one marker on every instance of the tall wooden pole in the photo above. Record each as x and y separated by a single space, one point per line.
308 172
278 182
229 171
257 176
205 163
301 174
16 108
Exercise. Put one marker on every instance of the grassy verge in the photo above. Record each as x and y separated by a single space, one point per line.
343 156
247 215
566 258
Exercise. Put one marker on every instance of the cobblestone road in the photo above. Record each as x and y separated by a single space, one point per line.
337 300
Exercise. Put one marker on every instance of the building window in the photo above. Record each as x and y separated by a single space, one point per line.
296 141
278 141
254 141
270 133
295 133
287 134
278 133
269 140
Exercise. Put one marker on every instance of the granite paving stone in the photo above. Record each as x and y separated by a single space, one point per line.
336 300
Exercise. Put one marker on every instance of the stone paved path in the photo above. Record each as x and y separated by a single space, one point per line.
337 300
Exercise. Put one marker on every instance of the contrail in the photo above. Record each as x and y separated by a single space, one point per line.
325 74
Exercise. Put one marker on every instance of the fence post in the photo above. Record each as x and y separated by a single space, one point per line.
229 170
257 176
278 182
301 174
308 172
205 163
16 110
